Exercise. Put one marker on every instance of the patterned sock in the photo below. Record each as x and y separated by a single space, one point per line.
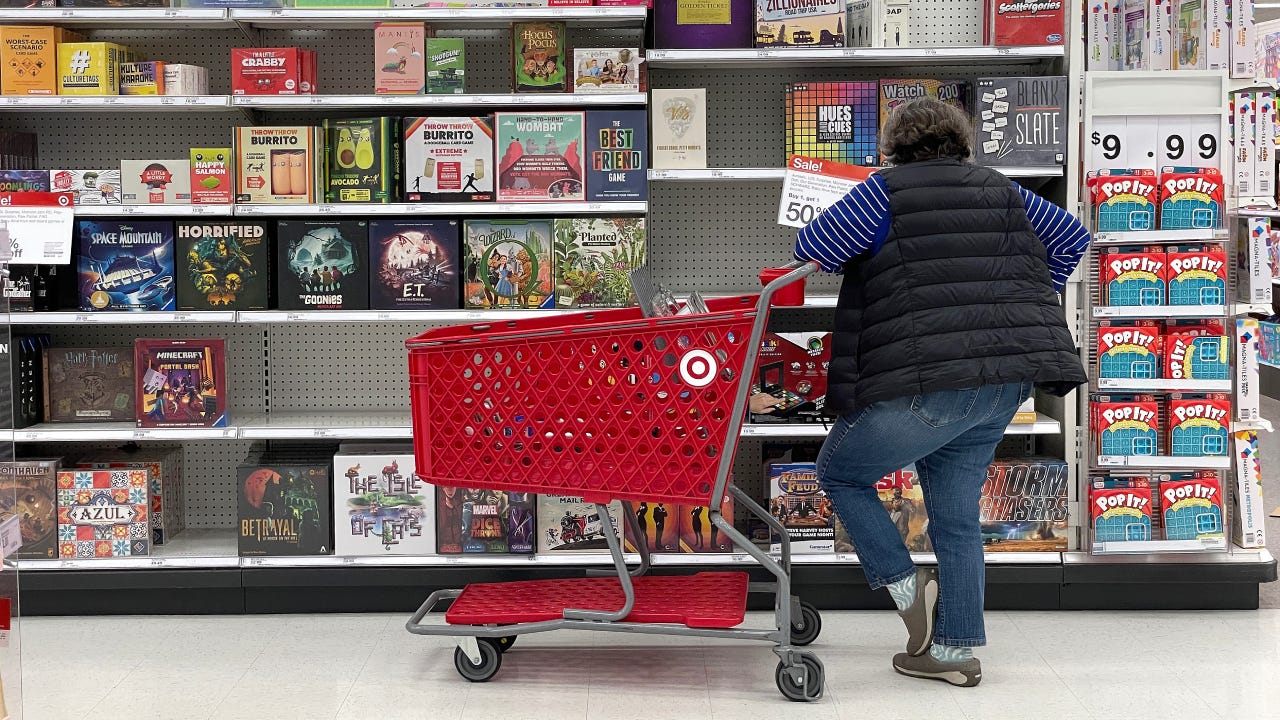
904 592
948 654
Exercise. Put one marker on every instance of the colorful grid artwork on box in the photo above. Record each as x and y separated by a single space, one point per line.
1123 199
1126 425
1130 352
1120 509
1197 275
1191 505
1134 276
1199 425
1190 198
833 121
103 513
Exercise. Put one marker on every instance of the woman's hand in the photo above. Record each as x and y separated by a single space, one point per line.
761 404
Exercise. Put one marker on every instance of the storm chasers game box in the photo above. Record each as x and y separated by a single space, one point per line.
181 383
617 155
223 265
126 265
285 508
1021 121
322 265
1024 505
103 513
28 489
594 260
540 156
483 521
88 385
414 264
380 507
448 159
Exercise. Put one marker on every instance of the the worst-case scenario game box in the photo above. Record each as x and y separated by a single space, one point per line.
181 383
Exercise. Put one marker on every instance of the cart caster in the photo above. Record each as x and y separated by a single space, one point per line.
505 642
808 686
490 662
808 627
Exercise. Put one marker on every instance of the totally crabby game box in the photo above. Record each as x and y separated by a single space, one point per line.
1123 199
1190 198
1199 425
1125 425
1196 350
1191 505
1133 351
1120 509
181 383
1134 276
103 513
1197 274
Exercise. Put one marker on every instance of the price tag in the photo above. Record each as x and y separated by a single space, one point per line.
156 562
172 13
194 100
1112 461
475 315
317 99
328 209
70 564
168 100
766 53
36 227
748 429
384 317
1104 312
321 432
595 207
182 317
1204 147
1109 383
109 100
84 318
811 185
28 436
141 434
293 317
717 174
253 561
1155 141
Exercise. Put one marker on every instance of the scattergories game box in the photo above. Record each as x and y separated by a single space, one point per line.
223 265
181 383
126 265
322 265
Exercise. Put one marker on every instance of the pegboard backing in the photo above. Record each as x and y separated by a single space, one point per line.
343 367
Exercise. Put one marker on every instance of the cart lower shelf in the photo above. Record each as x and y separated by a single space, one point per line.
704 600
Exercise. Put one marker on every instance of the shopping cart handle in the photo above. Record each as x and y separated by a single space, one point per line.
799 269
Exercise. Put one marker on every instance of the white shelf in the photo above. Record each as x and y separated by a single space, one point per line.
375 316
777 174
329 425
1159 385
195 548
119 318
138 17
363 102
1255 212
154 210
1164 461
294 18
851 56
112 432
1144 547
1139 237
1160 311
124 103
1044 425
468 209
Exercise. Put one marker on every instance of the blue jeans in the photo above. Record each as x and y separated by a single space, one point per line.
951 436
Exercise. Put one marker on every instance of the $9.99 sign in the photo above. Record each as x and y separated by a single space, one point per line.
812 185
1155 141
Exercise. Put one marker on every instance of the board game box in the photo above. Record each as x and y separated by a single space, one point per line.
449 159
1197 350
799 503
285 509
1191 505
399 58
212 176
103 513
1021 121
28 489
1123 199
698 534
1190 198
1025 506
362 160
88 385
1120 509
1027 22
278 165
617 143
1131 351
89 187
90 68
679 120
1197 274
660 525
155 182
1133 276
181 383
322 265
606 70
223 265
29 58
803 23
24 181
484 521
594 260
508 264
833 121
902 496
792 367
538 53
446 66
894 92
126 265
414 264
380 507
1126 425
163 466
541 156
1199 425
567 524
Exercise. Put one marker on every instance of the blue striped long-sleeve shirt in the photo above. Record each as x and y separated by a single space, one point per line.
859 222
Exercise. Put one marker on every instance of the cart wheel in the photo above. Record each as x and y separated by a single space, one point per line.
810 688
809 626
505 642
490 662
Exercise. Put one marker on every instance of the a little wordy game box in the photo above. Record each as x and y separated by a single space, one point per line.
1196 350
1199 425
1191 505
1120 509
1126 425
1134 276
1123 199
1197 274
1132 351
1190 198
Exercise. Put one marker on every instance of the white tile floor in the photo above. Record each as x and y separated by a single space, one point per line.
1062 666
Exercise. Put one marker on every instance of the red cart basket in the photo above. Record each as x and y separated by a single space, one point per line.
605 405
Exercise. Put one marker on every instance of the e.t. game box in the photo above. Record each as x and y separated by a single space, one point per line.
414 264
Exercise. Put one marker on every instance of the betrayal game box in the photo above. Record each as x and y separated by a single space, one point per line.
617 155
541 156
594 260
88 385
833 121
448 159
103 513
567 524
1021 121
414 264
181 383
483 521
126 265
285 509
322 265
28 489
223 265
380 507
507 264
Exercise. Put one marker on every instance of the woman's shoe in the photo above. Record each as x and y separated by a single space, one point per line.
921 617
965 673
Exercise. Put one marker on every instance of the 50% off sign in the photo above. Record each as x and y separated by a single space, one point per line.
812 185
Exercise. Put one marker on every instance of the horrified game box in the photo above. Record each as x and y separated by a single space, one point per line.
322 265
88 385
414 264
181 383
222 265
285 509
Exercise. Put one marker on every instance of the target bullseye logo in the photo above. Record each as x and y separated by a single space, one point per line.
698 368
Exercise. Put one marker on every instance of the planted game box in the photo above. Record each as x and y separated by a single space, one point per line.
484 521
223 265
698 534
541 156
1120 509
88 385
362 160
285 509
1134 276
617 155
414 264
278 165
449 159
446 66
1197 350
1199 425
833 121
380 507
660 525
1131 351
126 265
792 368
103 513
1191 505
1190 198
798 501
28 489
508 264
538 53
594 260
1123 199
1024 506
212 180
163 466
567 524
606 70
89 187
156 182
322 265
399 58
181 383
803 23
1126 425
1197 274
1021 121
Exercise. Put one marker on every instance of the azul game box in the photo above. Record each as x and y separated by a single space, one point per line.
448 159
1021 121
1133 276
88 385
163 466
483 521
538 53
414 264
223 265
1191 505
322 265
1199 425
126 265
792 368
380 507
1123 199
1197 350
541 156
567 524
28 489
1126 425
399 58
181 383
1197 274
89 187
698 535
803 23
285 508
1024 506
1120 509
1190 198
617 155
103 513
606 70
798 502
833 121
659 524
1132 351
507 264
362 160
594 260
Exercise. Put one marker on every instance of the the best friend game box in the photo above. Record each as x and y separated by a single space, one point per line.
1190 198
1123 199
1131 351
1191 505
1197 274
1120 509
1126 425
1134 276
1199 425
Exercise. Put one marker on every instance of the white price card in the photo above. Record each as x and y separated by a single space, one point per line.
811 186
35 228
10 536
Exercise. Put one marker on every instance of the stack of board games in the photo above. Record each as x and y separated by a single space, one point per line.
387 508
617 149
286 499
164 482
594 260
792 367
833 121
28 490
362 160
541 156
878 23
1021 121
103 513
568 524
538 52
508 264
278 165
1120 509
126 265
322 265
88 385
449 159
469 520
413 264
223 265
606 70
181 383
803 23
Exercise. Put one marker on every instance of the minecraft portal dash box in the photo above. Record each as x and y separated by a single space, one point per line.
1199 425
1126 425
1133 351
1123 199
1134 276
1190 198
1196 350
1191 505
1120 509
1197 274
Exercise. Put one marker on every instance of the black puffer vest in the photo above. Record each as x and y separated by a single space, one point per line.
959 295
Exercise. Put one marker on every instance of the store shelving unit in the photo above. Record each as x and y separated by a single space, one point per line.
777 174
828 57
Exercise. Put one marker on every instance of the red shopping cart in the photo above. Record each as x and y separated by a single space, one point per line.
609 406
